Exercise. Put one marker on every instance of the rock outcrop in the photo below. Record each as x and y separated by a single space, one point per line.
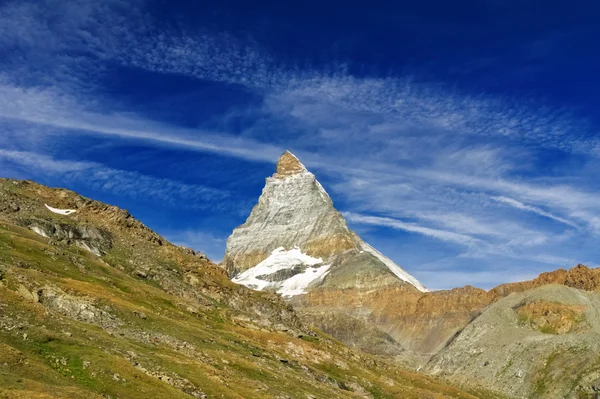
95 240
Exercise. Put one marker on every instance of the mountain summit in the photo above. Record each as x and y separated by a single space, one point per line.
295 240
288 164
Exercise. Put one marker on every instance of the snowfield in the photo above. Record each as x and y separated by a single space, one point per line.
61 211
282 259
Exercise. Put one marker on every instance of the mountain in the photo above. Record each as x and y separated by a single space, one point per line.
295 241
94 304
524 339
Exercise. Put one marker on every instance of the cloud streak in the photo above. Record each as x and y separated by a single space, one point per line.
60 111
537 211
443 235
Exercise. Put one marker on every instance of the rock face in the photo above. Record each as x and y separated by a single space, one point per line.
421 322
97 241
295 216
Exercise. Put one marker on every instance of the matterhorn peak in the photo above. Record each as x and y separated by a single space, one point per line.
295 240
289 164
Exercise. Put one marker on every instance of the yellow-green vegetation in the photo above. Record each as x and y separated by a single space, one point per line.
505 368
552 317
151 320
550 375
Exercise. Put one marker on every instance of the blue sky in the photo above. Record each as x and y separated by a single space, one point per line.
459 138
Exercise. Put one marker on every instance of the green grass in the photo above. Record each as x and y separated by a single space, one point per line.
504 369
208 350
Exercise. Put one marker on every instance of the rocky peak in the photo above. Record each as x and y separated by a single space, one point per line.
293 211
288 165
295 226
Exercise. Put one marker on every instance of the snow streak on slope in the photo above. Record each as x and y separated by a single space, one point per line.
394 268
300 267
61 211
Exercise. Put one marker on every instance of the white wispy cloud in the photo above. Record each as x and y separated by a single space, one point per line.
443 235
579 203
50 107
313 97
44 163
519 205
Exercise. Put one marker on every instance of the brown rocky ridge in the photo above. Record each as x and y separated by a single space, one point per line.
288 165
424 322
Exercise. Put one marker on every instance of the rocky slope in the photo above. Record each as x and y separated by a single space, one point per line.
539 343
423 323
445 332
94 304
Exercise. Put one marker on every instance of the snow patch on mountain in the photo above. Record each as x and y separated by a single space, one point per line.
394 268
60 211
258 277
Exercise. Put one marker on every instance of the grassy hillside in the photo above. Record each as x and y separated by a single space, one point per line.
147 319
